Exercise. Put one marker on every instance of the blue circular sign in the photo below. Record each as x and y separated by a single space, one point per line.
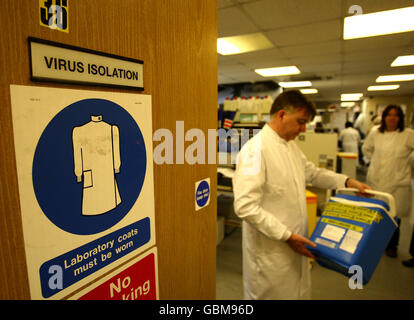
202 193
89 166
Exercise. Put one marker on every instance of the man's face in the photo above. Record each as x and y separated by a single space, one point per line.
293 123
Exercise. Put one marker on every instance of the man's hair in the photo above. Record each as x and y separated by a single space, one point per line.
292 100
349 124
385 113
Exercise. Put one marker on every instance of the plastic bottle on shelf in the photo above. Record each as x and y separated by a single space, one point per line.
243 105
260 105
236 107
256 105
236 103
227 104
266 104
250 105
270 100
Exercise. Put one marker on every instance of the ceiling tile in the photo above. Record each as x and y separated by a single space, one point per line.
270 14
249 76
224 79
323 84
322 68
385 56
400 70
406 50
224 3
311 33
262 57
232 21
266 63
324 48
308 34
244 1
317 60
364 67
385 42
258 59
231 68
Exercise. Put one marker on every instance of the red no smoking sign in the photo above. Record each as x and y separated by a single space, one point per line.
137 280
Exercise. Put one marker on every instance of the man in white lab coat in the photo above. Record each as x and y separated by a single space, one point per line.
350 138
270 196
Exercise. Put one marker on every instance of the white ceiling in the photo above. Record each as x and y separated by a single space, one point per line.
308 34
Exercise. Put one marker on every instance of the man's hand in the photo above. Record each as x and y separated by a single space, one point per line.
352 183
297 243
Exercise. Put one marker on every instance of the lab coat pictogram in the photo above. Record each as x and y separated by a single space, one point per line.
97 159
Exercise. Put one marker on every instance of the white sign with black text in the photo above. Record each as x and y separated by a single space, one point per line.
51 61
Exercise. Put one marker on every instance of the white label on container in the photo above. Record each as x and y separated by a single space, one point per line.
351 241
333 233
325 243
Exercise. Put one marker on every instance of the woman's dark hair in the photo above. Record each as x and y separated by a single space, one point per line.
292 100
385 113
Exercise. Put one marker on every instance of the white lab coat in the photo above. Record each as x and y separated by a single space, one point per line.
350 140
390 170
96 159
270 196
362 123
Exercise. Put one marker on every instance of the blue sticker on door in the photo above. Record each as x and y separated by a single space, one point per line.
202 193
89 166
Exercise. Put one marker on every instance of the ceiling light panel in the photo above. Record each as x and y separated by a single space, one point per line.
278 71
385 87
295 84
243 43
379 23
309 91
351 96
395 78
403 61
347 104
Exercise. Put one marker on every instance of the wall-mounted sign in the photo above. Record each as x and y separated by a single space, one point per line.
136 280
202 193
54 14
85 175
57 62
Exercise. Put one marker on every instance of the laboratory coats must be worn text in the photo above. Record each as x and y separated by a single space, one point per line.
270 196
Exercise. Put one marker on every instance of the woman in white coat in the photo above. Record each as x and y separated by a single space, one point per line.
350 138
270 196
390 149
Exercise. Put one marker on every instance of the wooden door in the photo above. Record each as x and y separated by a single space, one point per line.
176 39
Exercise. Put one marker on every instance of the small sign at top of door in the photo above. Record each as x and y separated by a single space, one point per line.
54 14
